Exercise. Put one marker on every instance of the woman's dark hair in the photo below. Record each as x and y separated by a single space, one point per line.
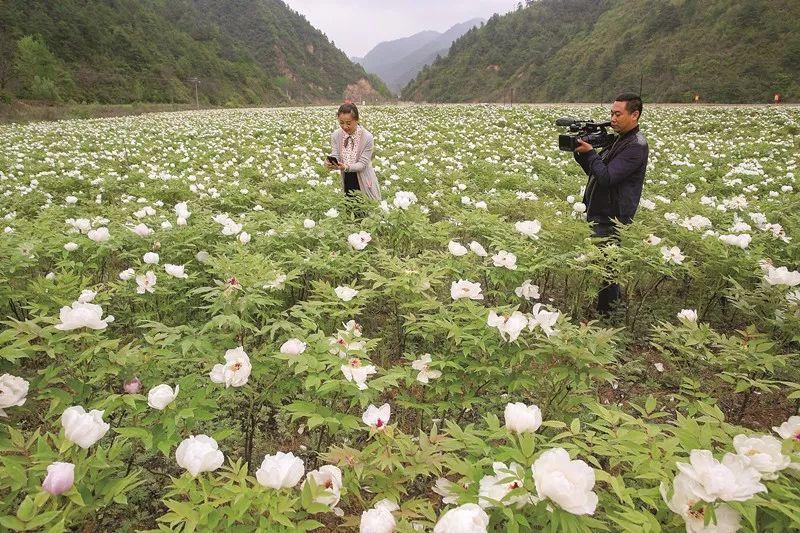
348 109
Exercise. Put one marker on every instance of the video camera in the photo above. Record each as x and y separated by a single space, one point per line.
588 131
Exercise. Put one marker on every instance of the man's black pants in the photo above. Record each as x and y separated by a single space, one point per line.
608 296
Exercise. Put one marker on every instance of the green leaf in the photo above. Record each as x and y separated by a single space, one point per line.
142 434
12 523
27 509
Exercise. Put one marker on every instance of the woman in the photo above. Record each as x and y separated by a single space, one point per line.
351 145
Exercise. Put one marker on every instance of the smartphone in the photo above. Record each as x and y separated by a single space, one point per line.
332 160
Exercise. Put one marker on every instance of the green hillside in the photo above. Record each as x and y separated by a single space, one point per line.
587 50
118 51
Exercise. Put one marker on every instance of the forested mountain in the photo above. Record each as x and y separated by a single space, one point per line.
236 52
587 50
398 62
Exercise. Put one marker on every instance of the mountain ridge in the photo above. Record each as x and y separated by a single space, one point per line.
239 52
396 62
586 50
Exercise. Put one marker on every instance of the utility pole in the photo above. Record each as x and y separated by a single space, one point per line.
196 83
641 83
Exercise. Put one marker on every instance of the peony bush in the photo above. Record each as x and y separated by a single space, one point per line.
199 332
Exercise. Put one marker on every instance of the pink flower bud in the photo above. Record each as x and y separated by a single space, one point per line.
60 478
133 386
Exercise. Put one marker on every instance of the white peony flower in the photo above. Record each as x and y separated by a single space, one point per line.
566 482
456 248
358 373
280 471
60 478
425 373
468 518
688 314
672 255
329 478
82 428
236 370
465 289
71 199
789 429
161 396
544 319
358 241
579 207
142 230
70 246
510 327
378 520
276 283
202 256
505 259
528 291
652 240
86 296
477 249
199 453
762 453
446 489
81 315
176 271
332 213
521 418
683 500
127 274
151 258
244 237
495 488
345 293
733 479
182 211
742 241
377 417
13 392
308 223
293 347
782 276
404 199
146 282
99 235
530 228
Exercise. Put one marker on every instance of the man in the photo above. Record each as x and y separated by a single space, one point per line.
616 178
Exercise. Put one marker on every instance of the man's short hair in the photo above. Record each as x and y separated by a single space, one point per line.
632 102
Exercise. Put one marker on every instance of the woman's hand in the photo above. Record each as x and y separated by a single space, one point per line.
342 166
329 165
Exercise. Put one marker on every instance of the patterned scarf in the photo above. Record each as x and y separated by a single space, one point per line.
350 145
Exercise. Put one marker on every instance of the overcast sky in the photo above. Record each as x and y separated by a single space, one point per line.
356 26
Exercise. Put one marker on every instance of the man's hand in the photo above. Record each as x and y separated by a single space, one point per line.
583 147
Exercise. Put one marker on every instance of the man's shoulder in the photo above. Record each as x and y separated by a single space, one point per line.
639 139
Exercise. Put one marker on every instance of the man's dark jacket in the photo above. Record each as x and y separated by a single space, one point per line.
616 178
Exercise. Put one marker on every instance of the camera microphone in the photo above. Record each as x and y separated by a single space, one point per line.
566 121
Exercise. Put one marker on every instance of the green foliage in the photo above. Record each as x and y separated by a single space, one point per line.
588 50
256 52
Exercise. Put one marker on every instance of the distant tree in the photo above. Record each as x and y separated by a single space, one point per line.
8 50
37 69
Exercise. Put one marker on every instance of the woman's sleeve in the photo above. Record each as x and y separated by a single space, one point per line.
366 157
334 146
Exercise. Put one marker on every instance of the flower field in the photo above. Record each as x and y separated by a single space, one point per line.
199 333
